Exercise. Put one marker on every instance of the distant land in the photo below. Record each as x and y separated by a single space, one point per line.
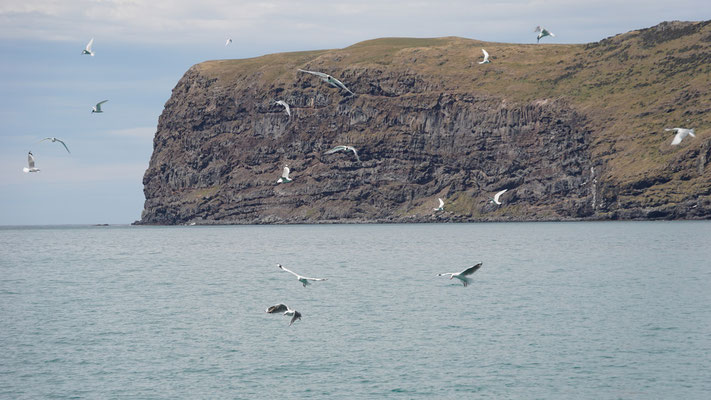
573 131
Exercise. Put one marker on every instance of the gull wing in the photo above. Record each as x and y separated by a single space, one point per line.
30 160
277 308
678 137
321 74
486 55
288 270
297 315
441 203
496 197
335 149
98 105
314 279
538 29
286 106
88 46
354 152
550 33
63 144
285 172
470 270
671 129
341 85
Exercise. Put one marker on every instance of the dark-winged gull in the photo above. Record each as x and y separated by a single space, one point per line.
304 280
681 133
54 139
462 276
329 79
283 308
344 148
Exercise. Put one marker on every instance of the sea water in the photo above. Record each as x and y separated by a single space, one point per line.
558 310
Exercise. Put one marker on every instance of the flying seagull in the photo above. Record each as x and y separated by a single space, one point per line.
286 310
304 280
486 57
462 276
54 139
285 175
681 133
286 107
329 79
542 32
497 196
97 107
227 43
30 164
441 205
344 148
87 50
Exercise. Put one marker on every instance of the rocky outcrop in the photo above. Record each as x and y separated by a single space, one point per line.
426 125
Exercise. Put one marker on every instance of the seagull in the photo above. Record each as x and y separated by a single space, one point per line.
462 276
87 50
97 107
344 148
486 57
681 133
329 79
227 43
286 107
285 175
30 164
542 32
497 196
304 280
54 139
286 310
441 205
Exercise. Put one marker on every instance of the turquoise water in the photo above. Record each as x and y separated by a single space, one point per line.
558 310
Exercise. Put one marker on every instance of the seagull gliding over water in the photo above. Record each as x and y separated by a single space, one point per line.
462 276
286 310
329 79
304 280
54 139
681 133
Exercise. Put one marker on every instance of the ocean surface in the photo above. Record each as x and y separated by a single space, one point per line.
558 311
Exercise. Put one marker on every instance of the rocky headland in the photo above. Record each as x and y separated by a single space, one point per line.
574 132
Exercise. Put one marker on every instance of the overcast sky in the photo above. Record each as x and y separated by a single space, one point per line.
143 47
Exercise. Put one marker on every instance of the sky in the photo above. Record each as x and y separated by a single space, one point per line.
47 88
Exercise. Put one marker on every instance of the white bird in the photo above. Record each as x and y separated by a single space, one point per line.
681 133
462 276
30 164
329 79
286 310
54 139
286 106
542 32
344 148
441 205
227 43
284 175
497 196
87 50
304 280
486 57
97 107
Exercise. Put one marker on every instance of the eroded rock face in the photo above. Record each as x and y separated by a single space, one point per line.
218 154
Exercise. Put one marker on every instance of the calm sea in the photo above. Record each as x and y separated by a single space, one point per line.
558 311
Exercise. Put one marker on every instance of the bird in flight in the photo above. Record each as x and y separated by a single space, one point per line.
441 205
285 175
97 107
227 43
681 133
304 280
286 106
344 148
329 79
486 57
54 139
497 196
88 50
30 164
463 276
279 308
542 32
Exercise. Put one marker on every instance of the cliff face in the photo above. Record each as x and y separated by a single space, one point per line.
572 131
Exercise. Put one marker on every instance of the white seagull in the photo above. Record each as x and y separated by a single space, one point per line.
304 280
344 148
681 133
486 57
87 50
30 164
329 79
286 107
227 43
97 107
497 196
284 175
462 276
286 310
441 205
542 32
54 139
